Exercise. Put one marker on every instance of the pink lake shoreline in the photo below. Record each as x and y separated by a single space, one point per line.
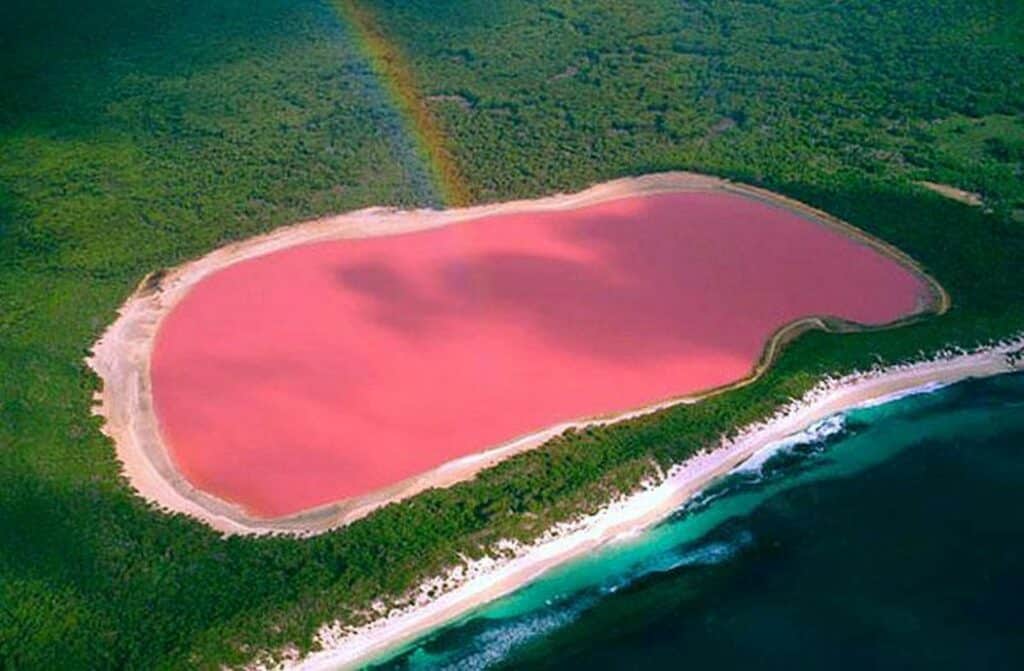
123 356
327 371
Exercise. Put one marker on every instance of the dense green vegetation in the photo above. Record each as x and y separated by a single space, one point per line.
134 135
567 93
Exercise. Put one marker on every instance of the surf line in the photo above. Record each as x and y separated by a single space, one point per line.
392 69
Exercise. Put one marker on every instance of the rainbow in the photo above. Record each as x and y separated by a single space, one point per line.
391 68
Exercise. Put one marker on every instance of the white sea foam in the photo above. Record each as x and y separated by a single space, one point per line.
706 554
716 552
816 433
494 644
930 388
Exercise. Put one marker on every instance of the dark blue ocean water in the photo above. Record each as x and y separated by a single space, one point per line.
897 542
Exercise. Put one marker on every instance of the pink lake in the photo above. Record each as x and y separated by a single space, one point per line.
327 371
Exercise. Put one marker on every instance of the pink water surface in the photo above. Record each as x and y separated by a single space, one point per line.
327 371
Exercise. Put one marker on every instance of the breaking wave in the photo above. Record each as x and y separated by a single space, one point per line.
816 434
494 643
929 388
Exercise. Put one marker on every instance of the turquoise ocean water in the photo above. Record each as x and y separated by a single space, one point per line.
893 537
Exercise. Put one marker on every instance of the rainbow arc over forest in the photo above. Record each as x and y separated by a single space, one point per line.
395 75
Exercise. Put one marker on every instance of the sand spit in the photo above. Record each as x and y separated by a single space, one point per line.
474 583
122 355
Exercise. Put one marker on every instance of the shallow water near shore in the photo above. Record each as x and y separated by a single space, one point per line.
890 537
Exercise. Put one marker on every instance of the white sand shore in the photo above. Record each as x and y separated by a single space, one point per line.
121 357
476 583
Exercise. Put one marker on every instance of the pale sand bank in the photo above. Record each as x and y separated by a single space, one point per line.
966 197
122 356
476 583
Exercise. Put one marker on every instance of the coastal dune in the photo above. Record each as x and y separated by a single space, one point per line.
296 381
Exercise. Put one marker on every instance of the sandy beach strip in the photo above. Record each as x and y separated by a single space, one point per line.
476 583
122 356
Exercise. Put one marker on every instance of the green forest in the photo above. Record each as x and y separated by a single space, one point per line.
137 135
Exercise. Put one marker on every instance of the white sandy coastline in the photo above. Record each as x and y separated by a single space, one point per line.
476 582
122 355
